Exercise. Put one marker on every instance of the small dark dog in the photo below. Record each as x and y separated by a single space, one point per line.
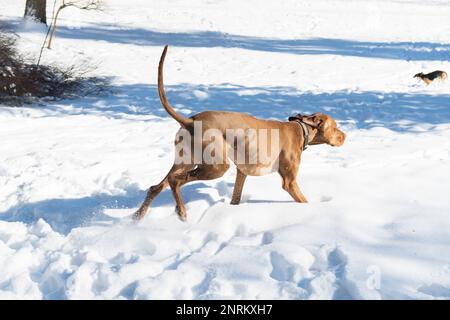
430 77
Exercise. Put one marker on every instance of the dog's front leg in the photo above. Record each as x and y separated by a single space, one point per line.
293 189
288 173
238 186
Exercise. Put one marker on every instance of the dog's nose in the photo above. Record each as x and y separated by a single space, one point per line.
343 137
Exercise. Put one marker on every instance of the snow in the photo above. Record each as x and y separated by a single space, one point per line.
377 222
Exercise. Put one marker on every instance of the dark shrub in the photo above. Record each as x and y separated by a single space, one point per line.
21 81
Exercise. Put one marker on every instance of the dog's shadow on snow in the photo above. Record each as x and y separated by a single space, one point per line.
63 215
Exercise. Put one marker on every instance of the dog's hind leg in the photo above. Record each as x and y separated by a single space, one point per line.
238 186
175 183
153 192
201 172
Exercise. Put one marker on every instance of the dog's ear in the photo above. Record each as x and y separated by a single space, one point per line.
313 120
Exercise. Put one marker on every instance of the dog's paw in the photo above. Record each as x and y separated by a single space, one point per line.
181 214
139 214
235 201
136 216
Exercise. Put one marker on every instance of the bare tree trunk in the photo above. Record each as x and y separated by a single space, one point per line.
53 25
36 9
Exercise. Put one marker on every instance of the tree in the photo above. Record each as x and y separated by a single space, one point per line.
36 9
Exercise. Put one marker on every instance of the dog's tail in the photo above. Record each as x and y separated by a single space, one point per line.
183 121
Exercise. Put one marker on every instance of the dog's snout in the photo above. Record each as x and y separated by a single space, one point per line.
339 138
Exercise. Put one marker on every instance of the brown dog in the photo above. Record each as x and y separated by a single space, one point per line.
430 77
285 148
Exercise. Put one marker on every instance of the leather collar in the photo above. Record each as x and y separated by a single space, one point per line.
304 128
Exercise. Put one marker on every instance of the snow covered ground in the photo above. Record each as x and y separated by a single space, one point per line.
378 221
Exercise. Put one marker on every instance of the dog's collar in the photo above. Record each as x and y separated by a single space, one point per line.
305 131
305 134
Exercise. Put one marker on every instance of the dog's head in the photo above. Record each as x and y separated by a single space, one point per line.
327 131
419 75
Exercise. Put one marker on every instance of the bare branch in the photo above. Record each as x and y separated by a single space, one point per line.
79 4
84 5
